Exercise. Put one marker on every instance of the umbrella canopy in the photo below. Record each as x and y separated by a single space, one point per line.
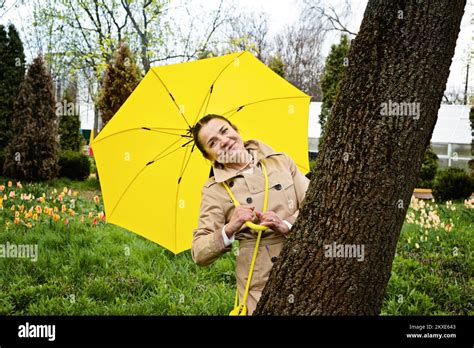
151 173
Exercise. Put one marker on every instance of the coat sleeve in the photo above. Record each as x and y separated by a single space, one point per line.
301 186
208 242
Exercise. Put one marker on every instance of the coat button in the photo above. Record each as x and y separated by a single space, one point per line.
231 184
278 187
274 258
249 200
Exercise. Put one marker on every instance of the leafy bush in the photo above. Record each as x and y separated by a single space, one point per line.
428 169
453 183
74 165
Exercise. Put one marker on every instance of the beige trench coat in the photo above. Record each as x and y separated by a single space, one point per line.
286 190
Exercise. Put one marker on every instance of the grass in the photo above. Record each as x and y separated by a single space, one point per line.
433 271
102 269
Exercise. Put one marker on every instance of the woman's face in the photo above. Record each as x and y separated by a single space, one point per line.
222 142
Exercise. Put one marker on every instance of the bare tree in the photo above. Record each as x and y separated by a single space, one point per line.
300 46
454 96
249 32
146 18
331 17
200 33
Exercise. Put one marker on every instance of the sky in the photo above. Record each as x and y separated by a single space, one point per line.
285 12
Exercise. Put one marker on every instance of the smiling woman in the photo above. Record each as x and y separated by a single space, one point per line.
244 167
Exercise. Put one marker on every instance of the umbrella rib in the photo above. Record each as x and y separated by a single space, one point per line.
138 174
186 165
174 101
154 129
177 191
235 110
209 94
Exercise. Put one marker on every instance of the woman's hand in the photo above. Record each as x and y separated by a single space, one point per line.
241 214
273 221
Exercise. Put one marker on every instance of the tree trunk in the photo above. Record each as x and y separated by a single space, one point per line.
369 164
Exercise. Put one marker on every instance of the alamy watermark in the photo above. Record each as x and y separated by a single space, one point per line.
29 251
237 156
344 251
37 331
400 109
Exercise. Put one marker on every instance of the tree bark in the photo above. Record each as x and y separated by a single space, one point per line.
369 164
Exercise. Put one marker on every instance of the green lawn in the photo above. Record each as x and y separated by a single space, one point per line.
87 268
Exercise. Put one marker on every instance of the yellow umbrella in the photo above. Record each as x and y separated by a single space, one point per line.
150 170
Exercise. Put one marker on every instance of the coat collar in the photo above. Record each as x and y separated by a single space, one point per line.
262 150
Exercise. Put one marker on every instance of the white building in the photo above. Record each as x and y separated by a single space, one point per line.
451 139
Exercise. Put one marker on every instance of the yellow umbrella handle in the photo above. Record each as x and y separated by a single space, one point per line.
255 227
242 309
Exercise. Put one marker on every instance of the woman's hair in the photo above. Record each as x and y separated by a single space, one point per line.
197 127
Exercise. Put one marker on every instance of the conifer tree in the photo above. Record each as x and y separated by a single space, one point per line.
33 151
336 63
121 78
12 71
69 122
